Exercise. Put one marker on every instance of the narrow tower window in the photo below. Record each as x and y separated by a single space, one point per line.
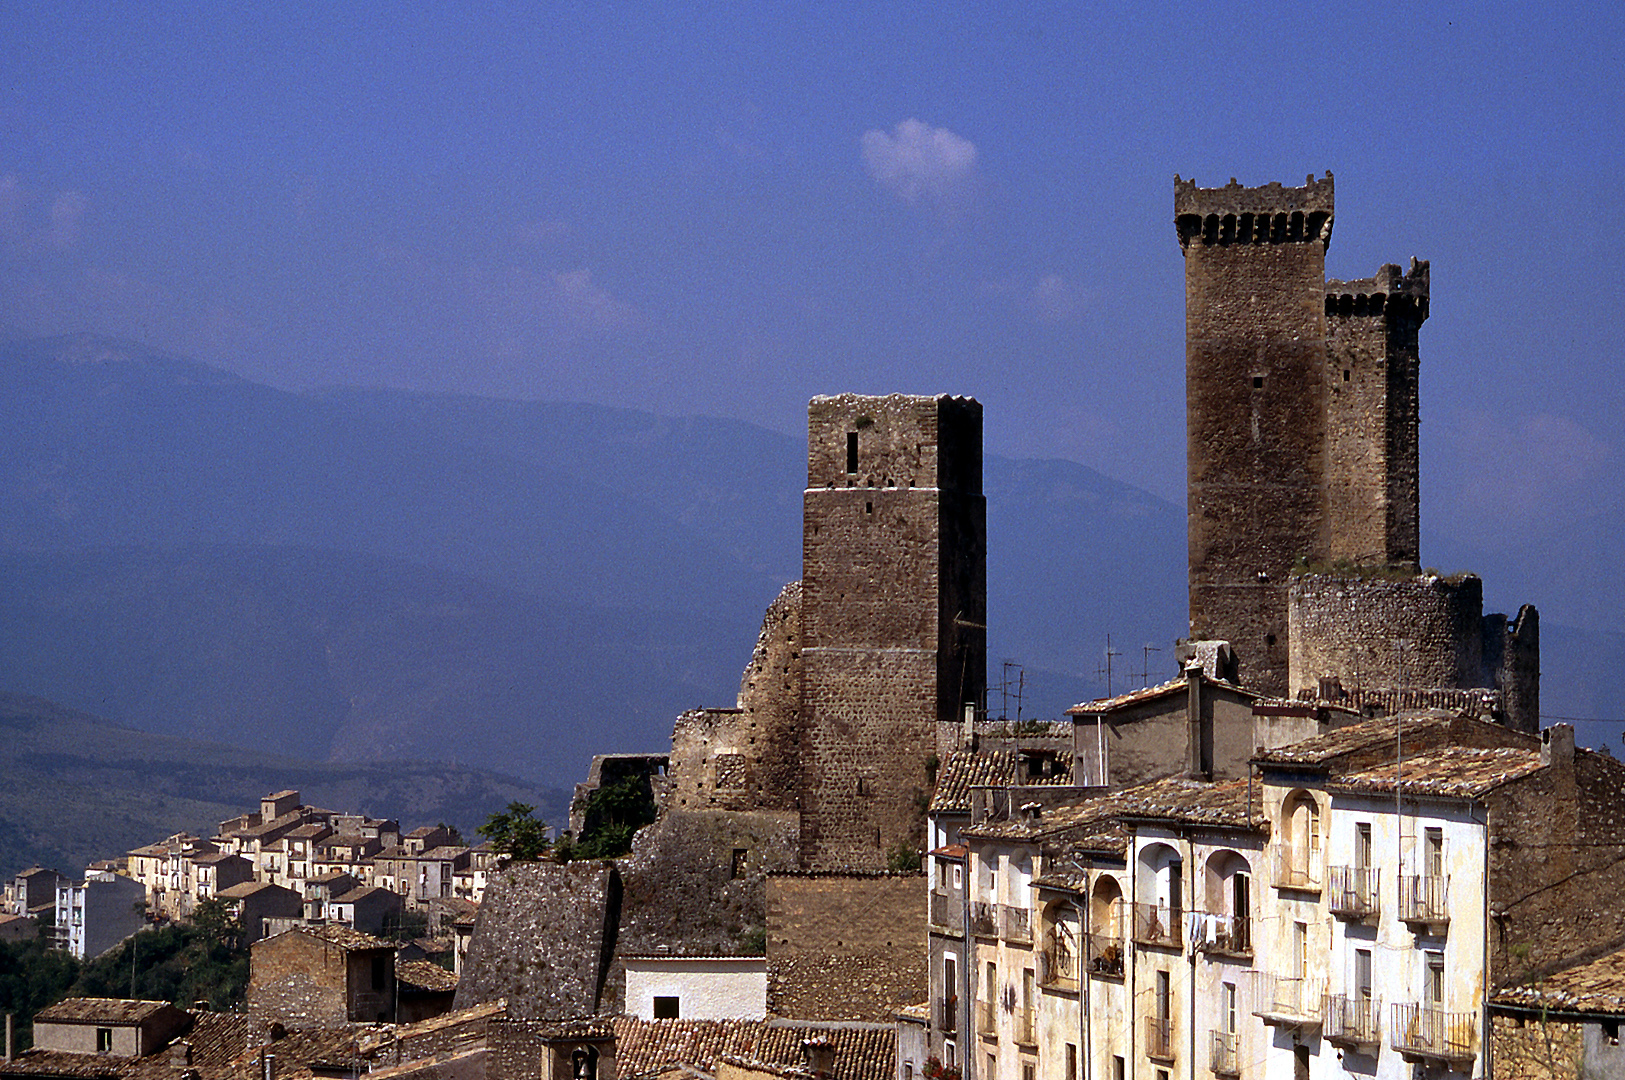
851 452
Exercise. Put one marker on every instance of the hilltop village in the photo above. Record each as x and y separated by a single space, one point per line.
1337 842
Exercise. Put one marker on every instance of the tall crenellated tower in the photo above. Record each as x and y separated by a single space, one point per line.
1372 365
894 600
1256 404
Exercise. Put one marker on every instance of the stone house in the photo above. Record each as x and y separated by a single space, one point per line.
321 977
33 892
365 908
111 1026
254 902
667 987
1566 1024
215 872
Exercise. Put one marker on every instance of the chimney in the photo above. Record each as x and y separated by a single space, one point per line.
180 1054
1030 811
1557 746
1198 724
818 1055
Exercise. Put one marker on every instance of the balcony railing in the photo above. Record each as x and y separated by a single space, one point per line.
984 920
1351 1021
948 1015
1298 873
1286 1003
1232 934
1353 891
987 1018
1015 923
1105 954
1223 1058
1058 966
1423 899
1158 924
948 910
1159 1037
1027 1027
1426 1032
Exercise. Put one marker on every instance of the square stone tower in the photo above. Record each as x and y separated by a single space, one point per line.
894 600
1301 411
1255 400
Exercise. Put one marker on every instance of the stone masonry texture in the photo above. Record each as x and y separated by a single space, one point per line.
845 946
894 596
543 940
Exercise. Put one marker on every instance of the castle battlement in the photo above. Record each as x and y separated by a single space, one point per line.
1271 214
1389 291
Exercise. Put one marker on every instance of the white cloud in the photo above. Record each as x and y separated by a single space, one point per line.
587 304
1054 299
918 162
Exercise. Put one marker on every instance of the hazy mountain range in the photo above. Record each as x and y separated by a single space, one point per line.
356 575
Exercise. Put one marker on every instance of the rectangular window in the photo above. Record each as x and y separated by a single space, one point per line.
851 452
992 1068
666 1008
1300 948
1163 998
1117 1067
950 1054
1362 974
1071 1061
104 1040
1434 855
1362 844
1227 999
1435 978
1027 1070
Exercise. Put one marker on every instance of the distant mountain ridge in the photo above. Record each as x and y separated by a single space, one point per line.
347 573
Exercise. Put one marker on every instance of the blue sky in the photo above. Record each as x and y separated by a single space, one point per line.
728 208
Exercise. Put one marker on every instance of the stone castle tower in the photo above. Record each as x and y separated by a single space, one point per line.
1301 410
894 598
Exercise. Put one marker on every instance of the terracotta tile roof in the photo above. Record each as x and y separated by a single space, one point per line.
218 1039
1453 771
1233 803
1369 735
247 888
1594 987
425 976
1133 697
1052 821
359 893
965 769
644 1047
90 1010
346 938
444 852
62 1063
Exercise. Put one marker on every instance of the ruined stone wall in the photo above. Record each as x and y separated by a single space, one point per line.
845 946
300 981
543 940
1372 371
1556 844
748 757
1539 1048
694 885
1347 627
894 588
1255 356
1512 656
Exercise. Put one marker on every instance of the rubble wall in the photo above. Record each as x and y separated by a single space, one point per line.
845 946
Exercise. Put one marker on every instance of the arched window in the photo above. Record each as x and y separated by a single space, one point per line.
1159 903
1301 827
1229 888
1106 927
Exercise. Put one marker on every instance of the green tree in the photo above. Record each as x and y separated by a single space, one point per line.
32 976
516 832
611 816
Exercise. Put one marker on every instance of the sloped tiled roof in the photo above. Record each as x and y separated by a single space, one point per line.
91 1010
965 769
63 1063
1371 734
425 976
1454 771
346 938
1234 803
644 1047
1133 697
1594 987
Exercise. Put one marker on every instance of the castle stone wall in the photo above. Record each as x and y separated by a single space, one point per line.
1348 626
845 946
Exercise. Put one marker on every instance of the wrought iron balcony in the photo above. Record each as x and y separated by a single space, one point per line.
1226 934
1423 901
1299 872
1159 1037
1224 1059
987 1018
984 920
1353 891
1291 1003
1421 1031
948 1015
1158 924
1015 923
1027 1027
1105 954
1352 1021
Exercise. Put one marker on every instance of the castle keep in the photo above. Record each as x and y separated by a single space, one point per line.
1301 455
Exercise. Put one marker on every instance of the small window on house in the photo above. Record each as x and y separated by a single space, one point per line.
1435 978
950 1054
1258 382
1117 1067
1345 374
1071 1061
1027 1071
851 452
992 1067
868 508
1610 1031
104 1040
1435 852
738 869
908 1070
666 1008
